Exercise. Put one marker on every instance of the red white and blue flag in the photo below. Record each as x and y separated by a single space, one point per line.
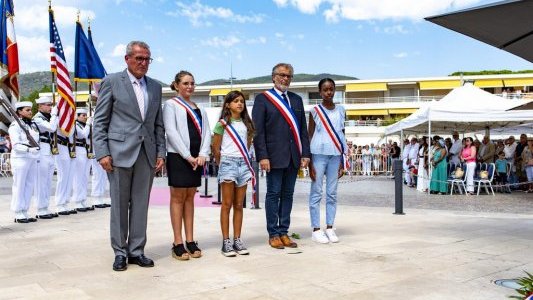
9 66
287 113
197 121
66 105
234 135
335 138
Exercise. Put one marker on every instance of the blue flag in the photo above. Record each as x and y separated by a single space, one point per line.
88 66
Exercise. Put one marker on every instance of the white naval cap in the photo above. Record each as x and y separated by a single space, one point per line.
43 100
81 111
23 104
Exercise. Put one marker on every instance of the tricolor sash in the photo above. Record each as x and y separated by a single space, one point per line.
287 113
335 138
234 135
197 121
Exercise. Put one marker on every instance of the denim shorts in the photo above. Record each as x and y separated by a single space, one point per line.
233 169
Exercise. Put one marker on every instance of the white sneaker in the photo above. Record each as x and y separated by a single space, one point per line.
332 237
319 237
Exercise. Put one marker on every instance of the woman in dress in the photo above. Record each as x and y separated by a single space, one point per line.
423 176
188 147
438 183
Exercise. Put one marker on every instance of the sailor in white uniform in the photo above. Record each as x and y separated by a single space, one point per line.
82 164
23 162
46 121
99 186
65 170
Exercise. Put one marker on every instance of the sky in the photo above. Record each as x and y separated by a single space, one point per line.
379 39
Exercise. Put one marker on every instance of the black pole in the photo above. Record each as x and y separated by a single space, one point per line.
206 177
219 196
398 187
255 165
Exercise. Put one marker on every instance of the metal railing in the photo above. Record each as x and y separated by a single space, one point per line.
375 100
370 164
364 123
5 165
409 99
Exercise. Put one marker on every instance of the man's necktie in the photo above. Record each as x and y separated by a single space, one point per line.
137 87
285 99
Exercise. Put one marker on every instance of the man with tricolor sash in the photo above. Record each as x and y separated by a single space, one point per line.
282 147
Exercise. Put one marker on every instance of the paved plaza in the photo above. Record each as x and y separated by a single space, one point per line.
444 247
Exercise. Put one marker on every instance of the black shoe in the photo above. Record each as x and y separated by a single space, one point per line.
107 205
120 263
90 207
32 220
192 248
24 220
54 215
141 260
82 209
64 213
46 216
72 212
100 206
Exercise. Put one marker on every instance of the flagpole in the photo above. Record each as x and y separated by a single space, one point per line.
72 149
55 149
90 154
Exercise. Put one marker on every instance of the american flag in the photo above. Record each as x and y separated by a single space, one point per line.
65 104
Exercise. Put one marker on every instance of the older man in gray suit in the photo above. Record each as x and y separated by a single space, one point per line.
129 143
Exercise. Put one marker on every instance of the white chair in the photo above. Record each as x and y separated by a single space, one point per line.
459 181
487 182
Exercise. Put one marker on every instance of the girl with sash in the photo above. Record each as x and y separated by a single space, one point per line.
231 141
188 147
328 149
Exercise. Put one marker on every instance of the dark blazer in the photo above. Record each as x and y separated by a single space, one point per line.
273 137
119 129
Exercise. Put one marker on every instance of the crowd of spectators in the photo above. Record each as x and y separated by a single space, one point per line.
512 159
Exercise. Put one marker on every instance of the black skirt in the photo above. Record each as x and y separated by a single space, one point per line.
179 170
180 173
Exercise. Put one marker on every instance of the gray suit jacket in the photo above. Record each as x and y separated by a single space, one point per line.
119 130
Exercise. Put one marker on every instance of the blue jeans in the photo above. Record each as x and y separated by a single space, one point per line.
278 200
324 165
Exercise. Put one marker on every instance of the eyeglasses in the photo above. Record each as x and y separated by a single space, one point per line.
288 76
140 59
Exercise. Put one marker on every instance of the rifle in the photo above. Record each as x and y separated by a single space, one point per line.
13 114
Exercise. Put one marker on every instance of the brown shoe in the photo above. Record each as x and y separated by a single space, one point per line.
287 242
275 242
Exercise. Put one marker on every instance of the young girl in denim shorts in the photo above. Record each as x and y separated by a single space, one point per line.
231 141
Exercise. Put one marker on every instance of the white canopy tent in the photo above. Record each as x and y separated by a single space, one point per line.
464 109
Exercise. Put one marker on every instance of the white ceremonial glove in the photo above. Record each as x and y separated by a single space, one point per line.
33 150
90 121
54 111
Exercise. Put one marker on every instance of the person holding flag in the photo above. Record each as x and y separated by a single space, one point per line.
329 158
232 138
66 116
281 147
46 121
87 68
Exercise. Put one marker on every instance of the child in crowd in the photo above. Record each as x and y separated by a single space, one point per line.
501 170
231 141
328 149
